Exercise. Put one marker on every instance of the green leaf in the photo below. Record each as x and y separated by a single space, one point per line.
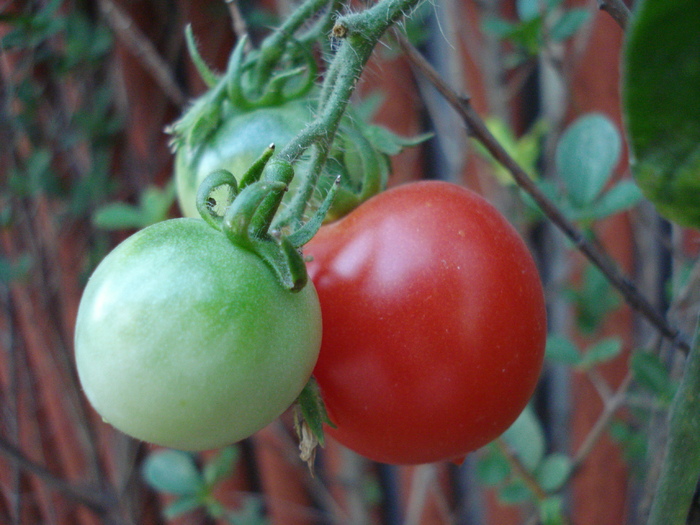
601 352
571 21
651 373
529 9
182 506
633 442
118 216
662 105
594 300
366 108
492 468
554 471
562 350
514 493
389 142
220 465
526 437
498 27
586 155
172 471
155 203
622 196
252 512
552 511
525 150
15 270
528 35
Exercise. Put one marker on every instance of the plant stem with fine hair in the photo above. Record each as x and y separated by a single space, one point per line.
681 468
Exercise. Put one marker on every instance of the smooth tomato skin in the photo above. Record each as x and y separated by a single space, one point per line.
240 140
434 323
188 341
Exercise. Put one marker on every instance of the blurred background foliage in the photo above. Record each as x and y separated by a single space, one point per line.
87 88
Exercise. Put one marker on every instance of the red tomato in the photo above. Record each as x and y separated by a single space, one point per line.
434 324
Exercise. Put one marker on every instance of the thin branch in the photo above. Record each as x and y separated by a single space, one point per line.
99 502
143 48
612 405
600 384
599 258
617 10
521 470
240 28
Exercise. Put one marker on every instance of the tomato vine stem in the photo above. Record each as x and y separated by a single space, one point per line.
360 34
681 466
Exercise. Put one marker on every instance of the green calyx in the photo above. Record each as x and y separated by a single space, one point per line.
246 215
290 74
337 159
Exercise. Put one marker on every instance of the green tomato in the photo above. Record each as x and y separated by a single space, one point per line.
186 340
235 145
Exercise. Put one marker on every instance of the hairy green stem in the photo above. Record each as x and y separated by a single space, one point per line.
681 467
360 33
323 26
300 202
273 47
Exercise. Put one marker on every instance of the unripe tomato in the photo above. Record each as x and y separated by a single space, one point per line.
239 140
434 323
186 340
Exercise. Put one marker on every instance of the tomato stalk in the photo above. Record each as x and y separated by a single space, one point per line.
359 33
681 468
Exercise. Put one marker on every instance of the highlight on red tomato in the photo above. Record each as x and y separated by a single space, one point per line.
434 323
187 340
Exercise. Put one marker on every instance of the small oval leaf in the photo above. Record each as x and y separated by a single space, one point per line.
586 155
554 471
172 471
526 437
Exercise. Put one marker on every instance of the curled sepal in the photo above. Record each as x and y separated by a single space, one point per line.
306 232
255 171
234 75
276 90
238 216
208 76
237 224
215 194
277 171
245 94
285 260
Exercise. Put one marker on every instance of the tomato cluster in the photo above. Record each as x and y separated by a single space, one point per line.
423 322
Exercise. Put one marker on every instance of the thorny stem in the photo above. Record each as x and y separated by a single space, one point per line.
616 9
477 128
